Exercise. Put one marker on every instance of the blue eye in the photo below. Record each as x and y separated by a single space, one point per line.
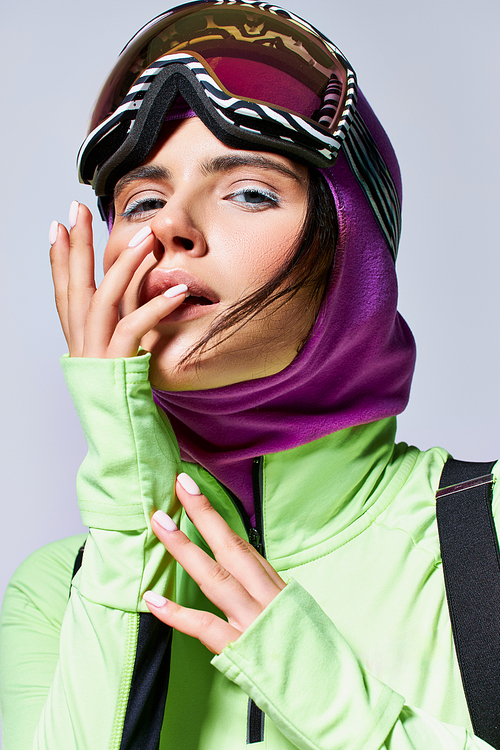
254 197
143 206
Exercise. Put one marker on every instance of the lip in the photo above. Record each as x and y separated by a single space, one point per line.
159 280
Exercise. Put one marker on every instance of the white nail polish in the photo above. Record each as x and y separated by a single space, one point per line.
175 290
188 484
140 236
73 214
157 600
164 521
53 232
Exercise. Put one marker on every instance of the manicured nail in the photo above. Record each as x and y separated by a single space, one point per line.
140 236
174 291
157 600
73 214
164 521
53 232
188 484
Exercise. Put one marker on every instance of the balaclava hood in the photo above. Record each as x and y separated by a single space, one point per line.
355 367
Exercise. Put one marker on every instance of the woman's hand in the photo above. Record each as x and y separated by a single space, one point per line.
90 316
239 581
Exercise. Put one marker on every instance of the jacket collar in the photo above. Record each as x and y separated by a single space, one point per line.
320 494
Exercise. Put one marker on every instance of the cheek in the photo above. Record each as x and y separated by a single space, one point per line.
257 249
271 249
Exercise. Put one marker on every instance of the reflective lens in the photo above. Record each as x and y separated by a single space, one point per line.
255 54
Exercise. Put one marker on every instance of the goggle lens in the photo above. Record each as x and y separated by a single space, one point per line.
255 54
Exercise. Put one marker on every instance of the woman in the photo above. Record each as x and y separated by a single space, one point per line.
278 377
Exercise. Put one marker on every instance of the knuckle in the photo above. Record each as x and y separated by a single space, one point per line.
159 302
61 300
94 294
206 620
235 544
175 611
125 327
181 540
53 256
75 289
203 506
94 304
129 257
219 575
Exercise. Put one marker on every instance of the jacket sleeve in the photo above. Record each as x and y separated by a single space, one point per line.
297 667
106 626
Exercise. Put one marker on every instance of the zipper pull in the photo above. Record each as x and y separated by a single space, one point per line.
254 539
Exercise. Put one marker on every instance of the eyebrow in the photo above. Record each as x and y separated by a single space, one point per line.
227 163
148 172
217 165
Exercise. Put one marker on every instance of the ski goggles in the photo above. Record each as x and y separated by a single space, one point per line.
257 76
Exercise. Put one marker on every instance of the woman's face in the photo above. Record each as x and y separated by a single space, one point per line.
223 222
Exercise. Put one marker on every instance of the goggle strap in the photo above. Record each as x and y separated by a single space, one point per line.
331 102
375 180
221 113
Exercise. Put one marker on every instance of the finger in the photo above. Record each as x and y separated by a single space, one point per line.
214 580
230 550
211 630
271 572
104 310
59 260
81 282
133 327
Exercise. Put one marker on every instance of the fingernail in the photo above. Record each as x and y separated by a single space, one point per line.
73 214
157 600
164 521
140 236
188 484
174 291
53 231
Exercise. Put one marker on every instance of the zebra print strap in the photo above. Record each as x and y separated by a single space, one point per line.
375 180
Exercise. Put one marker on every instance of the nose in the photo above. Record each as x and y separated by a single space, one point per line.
176 232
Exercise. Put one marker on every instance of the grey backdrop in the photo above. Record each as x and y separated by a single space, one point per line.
430 70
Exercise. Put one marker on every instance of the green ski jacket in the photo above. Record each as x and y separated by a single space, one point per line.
356 653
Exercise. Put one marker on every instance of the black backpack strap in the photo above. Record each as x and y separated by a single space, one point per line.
471 567
78 561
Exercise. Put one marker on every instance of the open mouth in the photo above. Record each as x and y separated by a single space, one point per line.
193 299
159 280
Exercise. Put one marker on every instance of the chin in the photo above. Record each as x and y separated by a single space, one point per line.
165 373
182 378
212 369
244 356
199 374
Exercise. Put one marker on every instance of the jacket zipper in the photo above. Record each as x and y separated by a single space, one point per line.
255 716
254 533
255 719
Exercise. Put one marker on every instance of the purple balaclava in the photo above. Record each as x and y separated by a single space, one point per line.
355 367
